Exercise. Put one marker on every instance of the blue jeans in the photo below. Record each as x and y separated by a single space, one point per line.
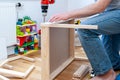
102 54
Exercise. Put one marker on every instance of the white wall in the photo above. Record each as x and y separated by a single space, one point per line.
32 8
58 7
75 4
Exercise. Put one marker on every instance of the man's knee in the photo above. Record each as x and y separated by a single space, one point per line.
87 33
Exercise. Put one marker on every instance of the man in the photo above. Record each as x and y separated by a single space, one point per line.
103 55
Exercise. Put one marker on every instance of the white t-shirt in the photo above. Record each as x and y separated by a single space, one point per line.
115 4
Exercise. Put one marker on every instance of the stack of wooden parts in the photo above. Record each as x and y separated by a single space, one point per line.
81 72
9 72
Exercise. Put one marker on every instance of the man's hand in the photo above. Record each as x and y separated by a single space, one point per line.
59 17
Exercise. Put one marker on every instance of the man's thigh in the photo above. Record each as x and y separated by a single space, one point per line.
108 22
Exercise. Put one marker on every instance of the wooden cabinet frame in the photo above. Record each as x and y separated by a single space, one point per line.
57 47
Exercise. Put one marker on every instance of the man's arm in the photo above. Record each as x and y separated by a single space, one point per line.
89 10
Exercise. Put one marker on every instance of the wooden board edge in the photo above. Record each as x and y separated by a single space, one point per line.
69 26
81 58
61 68
3 78
45 53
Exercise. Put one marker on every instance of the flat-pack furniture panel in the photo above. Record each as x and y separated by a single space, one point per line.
57 47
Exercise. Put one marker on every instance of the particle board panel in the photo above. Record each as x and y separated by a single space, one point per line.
59 47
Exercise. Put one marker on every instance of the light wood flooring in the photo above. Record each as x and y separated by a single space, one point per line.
22 65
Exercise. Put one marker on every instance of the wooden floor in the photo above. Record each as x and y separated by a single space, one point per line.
67 74
22 65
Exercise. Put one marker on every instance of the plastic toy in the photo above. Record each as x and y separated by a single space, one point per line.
35 39
20 33
28 30
27 20
26 35
19 22
36 46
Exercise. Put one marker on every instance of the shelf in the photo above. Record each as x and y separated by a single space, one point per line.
27 44
30 51
27 35
27 25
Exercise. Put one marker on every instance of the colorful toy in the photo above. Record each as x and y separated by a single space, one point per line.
27 38
34 29
19 22
36 46
35 39
27 20
18 31
28 30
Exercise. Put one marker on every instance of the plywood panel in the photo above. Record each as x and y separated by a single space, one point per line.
59 47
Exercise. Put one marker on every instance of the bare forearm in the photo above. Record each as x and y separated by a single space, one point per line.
84 12
88 10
